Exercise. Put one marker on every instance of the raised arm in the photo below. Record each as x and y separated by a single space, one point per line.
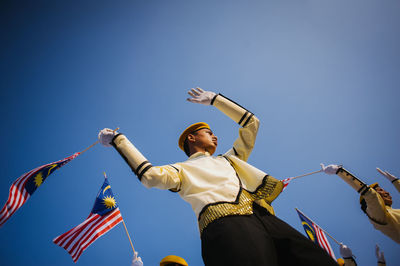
249 123
162 177
347 177
371 202
394 180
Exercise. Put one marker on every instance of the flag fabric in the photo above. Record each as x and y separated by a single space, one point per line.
103 217
286 182
315 233
26 185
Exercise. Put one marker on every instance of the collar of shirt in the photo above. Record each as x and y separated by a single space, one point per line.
199 154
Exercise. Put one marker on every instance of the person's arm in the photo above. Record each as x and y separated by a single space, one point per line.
243 145
394 180
249 123
163 177
396 184
347 177
380 256
374 205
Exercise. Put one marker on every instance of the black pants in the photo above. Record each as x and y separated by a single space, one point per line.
257 240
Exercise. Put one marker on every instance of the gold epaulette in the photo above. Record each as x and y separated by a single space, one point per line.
268 191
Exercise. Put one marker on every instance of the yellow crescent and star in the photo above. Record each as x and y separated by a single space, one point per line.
52 166
38 179
309 230
108 201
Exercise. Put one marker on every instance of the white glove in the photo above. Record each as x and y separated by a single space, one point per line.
136 261
106 135
379 254
388 175
201 96
345 251
330 169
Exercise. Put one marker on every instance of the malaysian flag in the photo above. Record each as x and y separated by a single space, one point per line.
315 233
26 185
103 217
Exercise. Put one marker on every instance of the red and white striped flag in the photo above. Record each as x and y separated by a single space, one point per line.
286 182
315 233
323 241
26 185
104 216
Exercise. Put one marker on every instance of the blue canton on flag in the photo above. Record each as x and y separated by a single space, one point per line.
105 201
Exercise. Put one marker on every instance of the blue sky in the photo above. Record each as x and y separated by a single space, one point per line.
322 76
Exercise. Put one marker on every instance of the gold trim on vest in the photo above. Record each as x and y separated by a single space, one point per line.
269 189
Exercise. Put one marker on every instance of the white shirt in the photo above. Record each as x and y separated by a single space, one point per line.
207 179
204 179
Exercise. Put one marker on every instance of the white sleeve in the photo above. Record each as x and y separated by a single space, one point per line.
249 123
163 177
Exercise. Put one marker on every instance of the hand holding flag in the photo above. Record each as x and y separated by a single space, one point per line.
106 135
136 261
330 169
345 251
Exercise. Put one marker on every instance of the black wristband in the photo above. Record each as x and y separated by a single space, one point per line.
112 141
213 99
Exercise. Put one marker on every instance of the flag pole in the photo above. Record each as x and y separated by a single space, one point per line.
337 242
127 233
96 142
89 147
306 174
126 230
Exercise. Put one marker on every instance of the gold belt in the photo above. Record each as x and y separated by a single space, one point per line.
268 191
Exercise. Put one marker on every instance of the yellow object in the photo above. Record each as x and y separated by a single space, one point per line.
173 259
268 191
374 185
340 261
189 130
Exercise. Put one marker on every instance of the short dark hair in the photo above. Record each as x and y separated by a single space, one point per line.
186 143
186 147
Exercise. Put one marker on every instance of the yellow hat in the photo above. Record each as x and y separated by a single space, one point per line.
173 259
189 130
374 185
340 261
